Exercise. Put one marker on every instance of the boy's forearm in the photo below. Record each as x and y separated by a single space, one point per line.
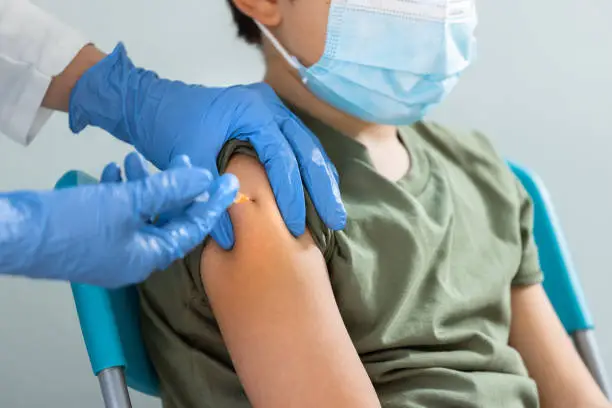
537 334
58 93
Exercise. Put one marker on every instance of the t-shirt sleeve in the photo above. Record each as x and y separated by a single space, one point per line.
529 271
322 236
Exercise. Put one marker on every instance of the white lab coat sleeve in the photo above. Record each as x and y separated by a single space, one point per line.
34 47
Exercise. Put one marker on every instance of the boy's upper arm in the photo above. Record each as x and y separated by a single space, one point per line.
273 300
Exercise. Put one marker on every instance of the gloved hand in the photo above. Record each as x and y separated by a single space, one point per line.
163 118
100 234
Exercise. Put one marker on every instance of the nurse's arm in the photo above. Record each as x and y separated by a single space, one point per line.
276 309
57 96
536 332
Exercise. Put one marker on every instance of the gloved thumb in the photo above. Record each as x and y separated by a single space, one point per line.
184 232
168 190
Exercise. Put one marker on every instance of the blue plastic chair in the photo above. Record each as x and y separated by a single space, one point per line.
561 281
110 323
111 329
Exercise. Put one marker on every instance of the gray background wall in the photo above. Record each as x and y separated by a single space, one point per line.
542 89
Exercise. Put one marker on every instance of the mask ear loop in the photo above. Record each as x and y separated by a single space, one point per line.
291 60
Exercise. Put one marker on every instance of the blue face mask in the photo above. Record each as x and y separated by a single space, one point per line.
390 61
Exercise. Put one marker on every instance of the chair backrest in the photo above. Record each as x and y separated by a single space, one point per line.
110 322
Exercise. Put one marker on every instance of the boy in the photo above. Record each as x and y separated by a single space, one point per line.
430 297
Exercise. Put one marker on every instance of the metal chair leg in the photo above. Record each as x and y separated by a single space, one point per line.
586 345
114 388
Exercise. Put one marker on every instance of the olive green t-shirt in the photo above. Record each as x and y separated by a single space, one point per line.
422 276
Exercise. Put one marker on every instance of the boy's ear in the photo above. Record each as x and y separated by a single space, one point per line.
267 12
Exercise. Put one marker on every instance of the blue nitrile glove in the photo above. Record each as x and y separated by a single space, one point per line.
100 234
163 118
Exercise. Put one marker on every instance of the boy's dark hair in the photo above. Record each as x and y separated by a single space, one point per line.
247 29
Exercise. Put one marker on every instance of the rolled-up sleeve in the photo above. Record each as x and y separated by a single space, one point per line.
34 47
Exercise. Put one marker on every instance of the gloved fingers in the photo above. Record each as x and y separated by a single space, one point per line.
111 173
318 173
282 114
181 234
169 190
223 232
180 161
283 173
311 137
135 167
